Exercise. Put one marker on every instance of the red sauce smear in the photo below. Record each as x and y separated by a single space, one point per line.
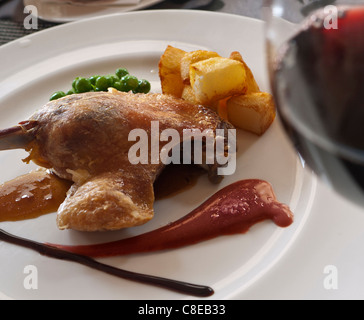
233 209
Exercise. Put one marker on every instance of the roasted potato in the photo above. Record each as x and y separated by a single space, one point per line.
253 112
252 85
170 71
217 78
192 57
226 85
188 94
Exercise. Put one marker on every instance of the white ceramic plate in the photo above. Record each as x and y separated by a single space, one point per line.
65 12
255 264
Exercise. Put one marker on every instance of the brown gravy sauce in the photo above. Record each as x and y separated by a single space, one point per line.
40 192
31 195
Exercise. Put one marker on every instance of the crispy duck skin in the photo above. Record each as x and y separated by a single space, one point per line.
84 138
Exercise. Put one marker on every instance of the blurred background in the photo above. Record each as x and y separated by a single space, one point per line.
12 12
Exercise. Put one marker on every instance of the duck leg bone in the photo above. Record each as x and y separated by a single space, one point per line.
17 137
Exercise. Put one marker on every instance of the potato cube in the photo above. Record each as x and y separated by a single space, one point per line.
252 85
170 71
252 112
217 78
188 94
192 57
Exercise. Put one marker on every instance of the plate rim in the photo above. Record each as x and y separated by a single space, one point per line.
10 49
71 25
188 12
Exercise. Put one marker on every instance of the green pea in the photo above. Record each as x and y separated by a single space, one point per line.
121 72
143 86
74 82
112 79
57 95
121 81
82 85
129 83
102 83
118 86
93 79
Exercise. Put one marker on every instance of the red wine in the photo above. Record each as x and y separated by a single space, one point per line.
319 87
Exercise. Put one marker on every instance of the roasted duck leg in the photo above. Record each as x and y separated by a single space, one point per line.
84 138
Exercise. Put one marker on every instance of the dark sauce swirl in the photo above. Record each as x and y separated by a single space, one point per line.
179 286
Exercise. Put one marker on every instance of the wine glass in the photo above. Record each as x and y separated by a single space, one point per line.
315 51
